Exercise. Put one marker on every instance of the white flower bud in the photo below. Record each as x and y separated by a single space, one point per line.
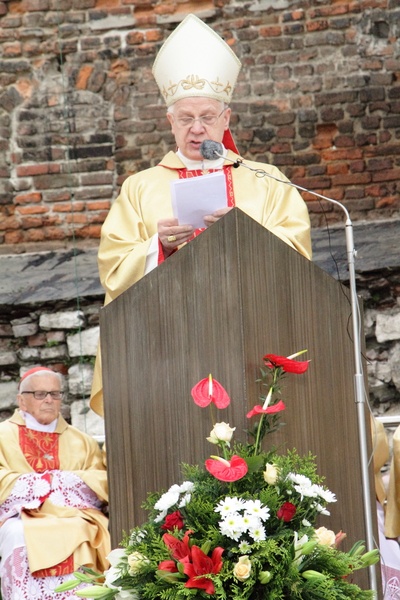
271 474
221 433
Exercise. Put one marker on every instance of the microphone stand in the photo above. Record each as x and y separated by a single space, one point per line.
359 387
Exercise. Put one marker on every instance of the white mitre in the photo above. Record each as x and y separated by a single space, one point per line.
195 61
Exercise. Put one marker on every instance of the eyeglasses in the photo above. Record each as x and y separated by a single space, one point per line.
206 120
41 394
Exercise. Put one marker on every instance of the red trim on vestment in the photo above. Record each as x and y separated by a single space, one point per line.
40 449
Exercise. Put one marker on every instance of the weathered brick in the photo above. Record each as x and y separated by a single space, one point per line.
37 169
332 75
69 207
351 179
386 175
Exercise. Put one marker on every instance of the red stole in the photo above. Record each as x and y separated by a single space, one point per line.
186 174
40 449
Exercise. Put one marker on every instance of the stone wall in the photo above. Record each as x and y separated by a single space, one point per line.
63 332
58 335
318 96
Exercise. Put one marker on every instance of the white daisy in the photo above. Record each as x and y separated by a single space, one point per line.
229 506
325 494
254 507
232 526
258 533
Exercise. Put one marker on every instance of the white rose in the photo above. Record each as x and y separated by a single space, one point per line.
135 562
221 433
271 473
325 536
242 569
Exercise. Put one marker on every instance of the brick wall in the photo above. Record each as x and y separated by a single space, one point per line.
319 96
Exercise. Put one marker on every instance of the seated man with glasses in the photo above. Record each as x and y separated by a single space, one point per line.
53 486
196 72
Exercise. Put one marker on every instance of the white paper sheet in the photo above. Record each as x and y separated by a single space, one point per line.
196 197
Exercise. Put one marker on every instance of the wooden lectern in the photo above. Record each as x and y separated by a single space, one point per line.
233 294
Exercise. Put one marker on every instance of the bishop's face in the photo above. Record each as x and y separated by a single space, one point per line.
44 410
194 120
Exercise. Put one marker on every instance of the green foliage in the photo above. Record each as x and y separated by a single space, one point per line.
252 537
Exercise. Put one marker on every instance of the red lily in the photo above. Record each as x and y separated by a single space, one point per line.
210 390
287 364
202 565
270 410
179 548
227 470
168 565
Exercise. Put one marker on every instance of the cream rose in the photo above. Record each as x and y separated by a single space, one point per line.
271 473
135 561
242 569
325 536
221 433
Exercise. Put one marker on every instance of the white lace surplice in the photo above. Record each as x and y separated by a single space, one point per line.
67 489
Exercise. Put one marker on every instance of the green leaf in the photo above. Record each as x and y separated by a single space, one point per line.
255 463
67 585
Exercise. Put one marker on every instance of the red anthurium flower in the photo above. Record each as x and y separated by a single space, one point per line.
173 521
168 565
227 470
203 565
287 364
286 512
210 390
270 410
178 548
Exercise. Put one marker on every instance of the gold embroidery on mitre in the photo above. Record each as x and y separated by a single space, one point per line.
194 81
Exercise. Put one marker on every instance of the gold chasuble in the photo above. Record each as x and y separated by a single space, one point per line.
145 198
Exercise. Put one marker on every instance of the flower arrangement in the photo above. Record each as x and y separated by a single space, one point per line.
242 528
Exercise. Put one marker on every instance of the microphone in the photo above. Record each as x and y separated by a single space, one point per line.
211 150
